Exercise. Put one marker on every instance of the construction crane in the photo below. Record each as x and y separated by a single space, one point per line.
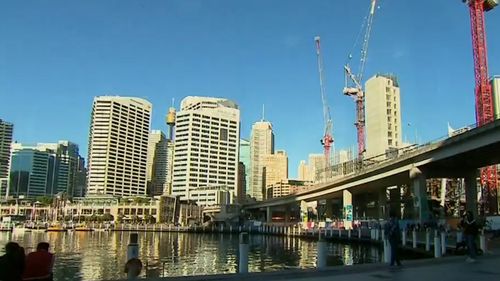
354 82
483 92
327 140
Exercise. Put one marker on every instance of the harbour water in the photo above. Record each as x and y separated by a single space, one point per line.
102 255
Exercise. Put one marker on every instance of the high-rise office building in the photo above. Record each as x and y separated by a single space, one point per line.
383 115
80 179
46 169
245 159
6 131
118 146
33 173
303 171
317 164
261 145
495 87
66 155
157 163
207 136
275 169
241 190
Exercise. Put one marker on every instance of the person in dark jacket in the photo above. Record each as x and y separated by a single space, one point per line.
12 263
393 232
471 231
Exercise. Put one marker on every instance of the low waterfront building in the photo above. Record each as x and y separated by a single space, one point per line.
287 187
159 209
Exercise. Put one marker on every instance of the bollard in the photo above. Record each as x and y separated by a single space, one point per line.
383 235
377 234
239 229
437 245
133 246
443 243
387 251
404 237
221 228
359 232
427 239
230 229
243 262
321 259
340 233
349 233
482 242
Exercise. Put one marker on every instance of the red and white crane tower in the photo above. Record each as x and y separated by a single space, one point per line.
354 88
327 140
483 92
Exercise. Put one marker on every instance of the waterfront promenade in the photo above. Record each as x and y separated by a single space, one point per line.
443 269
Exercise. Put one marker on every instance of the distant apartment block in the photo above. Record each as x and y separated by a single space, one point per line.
383 115
287 187
303 171
261 145
118 146
275 168
317 164
207 136
6 131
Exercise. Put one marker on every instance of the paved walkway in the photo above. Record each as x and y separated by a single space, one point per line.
486 268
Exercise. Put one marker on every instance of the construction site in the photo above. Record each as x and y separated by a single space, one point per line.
446 196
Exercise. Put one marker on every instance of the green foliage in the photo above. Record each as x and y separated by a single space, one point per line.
45 200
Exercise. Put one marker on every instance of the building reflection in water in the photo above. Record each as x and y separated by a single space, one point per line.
102 255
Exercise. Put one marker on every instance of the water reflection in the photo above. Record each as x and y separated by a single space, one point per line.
101 255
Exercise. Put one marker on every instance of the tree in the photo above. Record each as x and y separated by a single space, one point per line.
45 200
107 217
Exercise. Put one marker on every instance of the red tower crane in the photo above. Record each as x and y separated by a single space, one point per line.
355 88
327 140
483 92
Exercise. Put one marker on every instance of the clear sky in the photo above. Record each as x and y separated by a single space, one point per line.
55 56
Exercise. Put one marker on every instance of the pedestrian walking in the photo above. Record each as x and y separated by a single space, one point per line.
12 262
471 231
393 233
39 264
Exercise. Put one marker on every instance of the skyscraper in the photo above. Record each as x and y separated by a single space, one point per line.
157 163
245 159
275 168
206 153
118 146
261 144
46 169
383 114
33 173
6 131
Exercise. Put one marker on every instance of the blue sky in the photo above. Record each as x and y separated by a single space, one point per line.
55 56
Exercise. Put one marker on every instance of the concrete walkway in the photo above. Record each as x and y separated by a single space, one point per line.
455 268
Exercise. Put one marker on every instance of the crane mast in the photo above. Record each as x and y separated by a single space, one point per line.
354 88
327 140
483 92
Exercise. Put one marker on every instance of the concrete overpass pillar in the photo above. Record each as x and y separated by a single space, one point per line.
382 204
329 209
269 215
470 180
348 209
419 188
287 214
395 199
